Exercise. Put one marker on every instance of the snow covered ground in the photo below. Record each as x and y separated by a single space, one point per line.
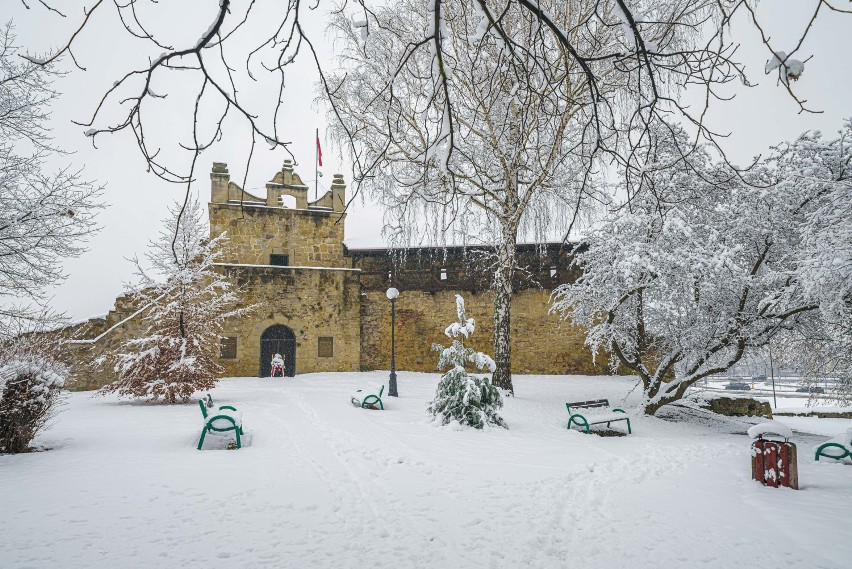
325 484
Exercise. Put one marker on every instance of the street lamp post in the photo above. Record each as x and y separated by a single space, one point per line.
392 294
772 373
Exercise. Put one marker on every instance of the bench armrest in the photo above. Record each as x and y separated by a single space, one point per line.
235 420
228 407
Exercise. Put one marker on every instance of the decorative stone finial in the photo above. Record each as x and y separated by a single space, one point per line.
220 168
338 193
288 166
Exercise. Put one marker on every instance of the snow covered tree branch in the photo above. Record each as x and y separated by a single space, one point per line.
655 48
44 217
707 268
187 302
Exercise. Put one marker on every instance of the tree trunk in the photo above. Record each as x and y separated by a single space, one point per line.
677 395
502 311
651 408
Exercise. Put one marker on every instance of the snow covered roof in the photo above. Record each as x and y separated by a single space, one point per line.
375 243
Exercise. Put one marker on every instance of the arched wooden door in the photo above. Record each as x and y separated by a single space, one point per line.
278 339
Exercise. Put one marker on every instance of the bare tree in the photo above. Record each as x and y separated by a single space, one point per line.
657 48
495 159
187 301
44 217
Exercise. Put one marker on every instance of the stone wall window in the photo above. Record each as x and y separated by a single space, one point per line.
443 274
325 347
228 347
553 272
279 260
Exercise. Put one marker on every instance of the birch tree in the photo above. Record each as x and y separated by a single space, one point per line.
491 161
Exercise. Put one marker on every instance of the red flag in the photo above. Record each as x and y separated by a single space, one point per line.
319 151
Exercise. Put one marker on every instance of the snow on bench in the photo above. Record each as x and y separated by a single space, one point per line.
839 448
595 412
369 397
225 418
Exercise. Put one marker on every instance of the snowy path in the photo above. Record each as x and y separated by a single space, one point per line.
324 484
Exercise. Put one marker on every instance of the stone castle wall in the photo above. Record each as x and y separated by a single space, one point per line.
89 366
540 343
329 292
313 303
311 238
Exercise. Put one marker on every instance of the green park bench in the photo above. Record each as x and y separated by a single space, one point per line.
224 419
838 448
369 397
595 412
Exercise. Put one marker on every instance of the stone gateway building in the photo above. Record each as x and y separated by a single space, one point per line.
322 304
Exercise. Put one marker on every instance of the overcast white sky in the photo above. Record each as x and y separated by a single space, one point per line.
137 200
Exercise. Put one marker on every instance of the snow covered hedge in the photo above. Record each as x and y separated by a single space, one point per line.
30 382
470 400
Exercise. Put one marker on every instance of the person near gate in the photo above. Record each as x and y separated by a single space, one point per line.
277 366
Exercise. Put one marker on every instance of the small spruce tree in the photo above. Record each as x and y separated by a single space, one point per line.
470 400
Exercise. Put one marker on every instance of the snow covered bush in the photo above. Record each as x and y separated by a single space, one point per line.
470 400
30 383
186 302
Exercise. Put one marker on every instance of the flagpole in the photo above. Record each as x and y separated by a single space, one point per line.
316 167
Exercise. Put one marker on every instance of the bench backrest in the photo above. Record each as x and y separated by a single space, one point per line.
382 390
587 404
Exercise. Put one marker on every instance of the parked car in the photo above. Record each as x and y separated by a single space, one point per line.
738 386
810 389
758 378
